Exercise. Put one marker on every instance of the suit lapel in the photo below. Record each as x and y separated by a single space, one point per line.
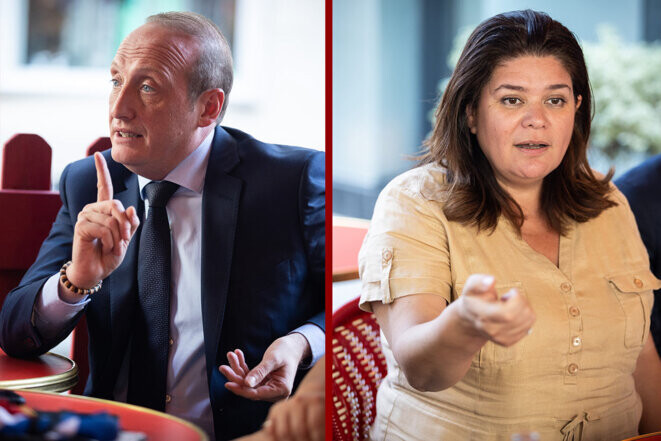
220 207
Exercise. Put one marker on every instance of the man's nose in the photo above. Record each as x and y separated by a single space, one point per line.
535 116
121 104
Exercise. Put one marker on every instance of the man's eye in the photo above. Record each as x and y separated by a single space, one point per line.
114 83
512 101
147 88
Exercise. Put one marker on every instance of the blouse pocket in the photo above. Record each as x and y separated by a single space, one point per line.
633 290
493 353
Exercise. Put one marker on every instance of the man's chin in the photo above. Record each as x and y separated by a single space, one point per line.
127 158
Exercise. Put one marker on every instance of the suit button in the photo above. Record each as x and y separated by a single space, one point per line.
171 341
572 368
168 398
637 282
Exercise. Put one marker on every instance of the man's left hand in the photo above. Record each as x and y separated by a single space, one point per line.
273 378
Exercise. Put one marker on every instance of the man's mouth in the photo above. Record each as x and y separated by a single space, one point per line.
531 145
128 135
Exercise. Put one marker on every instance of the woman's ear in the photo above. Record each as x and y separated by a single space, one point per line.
470 119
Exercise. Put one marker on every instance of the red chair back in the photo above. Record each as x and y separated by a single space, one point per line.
99 145
27 206
358 366
27 210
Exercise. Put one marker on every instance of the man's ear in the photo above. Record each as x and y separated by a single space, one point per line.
470 119
212 103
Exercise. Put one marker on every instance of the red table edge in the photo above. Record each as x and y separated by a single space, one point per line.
193 427
650 436
57 383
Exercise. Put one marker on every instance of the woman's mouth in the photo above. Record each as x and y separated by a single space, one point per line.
531 145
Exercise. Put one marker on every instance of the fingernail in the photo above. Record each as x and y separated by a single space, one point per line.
487 281
250 381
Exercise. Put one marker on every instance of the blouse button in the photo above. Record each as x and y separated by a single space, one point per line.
168 398
387 255
574 311
576 341
572 368
565 286
637 282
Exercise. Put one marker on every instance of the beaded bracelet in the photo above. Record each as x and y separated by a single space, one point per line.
73 288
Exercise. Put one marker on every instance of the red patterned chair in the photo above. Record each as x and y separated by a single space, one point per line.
358 366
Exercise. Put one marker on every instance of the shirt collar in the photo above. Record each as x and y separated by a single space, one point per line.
190 172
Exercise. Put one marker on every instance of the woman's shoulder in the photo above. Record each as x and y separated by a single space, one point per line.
427 182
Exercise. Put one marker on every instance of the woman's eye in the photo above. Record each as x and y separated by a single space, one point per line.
557 101
511 101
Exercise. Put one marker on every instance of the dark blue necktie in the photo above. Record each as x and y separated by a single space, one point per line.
151 328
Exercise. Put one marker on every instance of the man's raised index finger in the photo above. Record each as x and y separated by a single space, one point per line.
103 181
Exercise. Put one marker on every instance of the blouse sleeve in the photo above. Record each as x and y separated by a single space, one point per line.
405 251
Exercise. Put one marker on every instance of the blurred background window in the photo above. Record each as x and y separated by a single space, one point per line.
55 57
87 32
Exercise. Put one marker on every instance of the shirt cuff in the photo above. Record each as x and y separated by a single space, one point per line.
50 313
316 339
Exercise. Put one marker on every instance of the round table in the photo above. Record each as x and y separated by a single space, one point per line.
156 425
49 372
656 436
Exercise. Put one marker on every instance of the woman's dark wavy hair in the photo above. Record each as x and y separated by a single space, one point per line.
571 191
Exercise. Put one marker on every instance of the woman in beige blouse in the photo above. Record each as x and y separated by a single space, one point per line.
509 279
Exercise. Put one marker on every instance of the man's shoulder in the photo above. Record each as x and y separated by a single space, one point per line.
251 149
644 178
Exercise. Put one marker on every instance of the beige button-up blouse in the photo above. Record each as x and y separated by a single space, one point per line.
571 378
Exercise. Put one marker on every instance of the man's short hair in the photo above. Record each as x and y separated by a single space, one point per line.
213 68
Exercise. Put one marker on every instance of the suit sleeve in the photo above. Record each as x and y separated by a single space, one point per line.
312 209
18 335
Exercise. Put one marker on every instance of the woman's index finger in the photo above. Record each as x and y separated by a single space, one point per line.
103 181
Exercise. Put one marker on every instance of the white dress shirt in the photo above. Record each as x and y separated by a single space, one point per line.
187 386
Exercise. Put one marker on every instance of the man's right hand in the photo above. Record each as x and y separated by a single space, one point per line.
101 235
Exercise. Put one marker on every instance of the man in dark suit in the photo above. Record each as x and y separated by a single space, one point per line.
642 187
220 251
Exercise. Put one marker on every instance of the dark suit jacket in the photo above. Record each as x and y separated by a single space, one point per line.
642 187
263 245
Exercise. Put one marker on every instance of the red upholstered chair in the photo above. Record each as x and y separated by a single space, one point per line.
27 206
99 145
27 210
358 366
